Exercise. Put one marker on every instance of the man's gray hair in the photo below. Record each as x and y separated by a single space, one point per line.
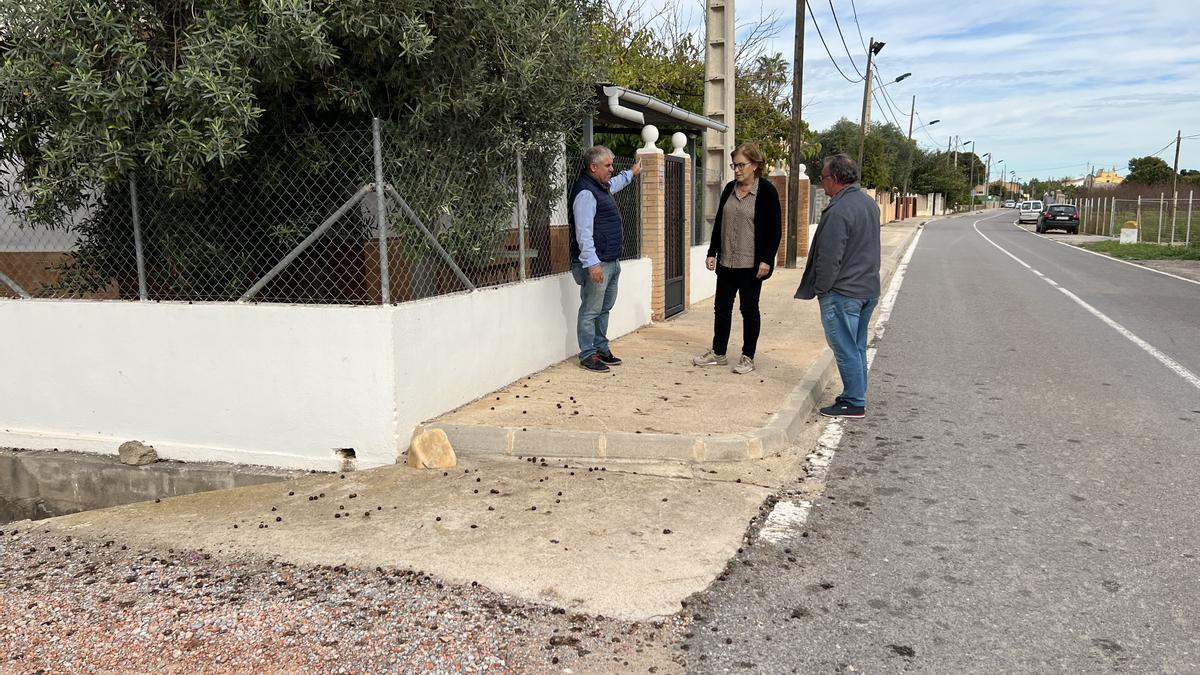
595 155
842 168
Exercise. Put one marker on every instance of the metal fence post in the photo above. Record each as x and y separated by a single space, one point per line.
1162 198
1112 218
1188 237
381 214
137 238
520 217
1174 211
1139 218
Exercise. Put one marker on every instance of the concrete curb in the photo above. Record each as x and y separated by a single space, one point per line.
777 434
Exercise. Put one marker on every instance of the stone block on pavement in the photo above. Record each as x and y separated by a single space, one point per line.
431 450
137 453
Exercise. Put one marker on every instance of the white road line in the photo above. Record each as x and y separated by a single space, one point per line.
785 519
1150 349
788 516
1108 257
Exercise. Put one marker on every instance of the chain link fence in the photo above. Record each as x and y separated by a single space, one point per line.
299 221
1167 219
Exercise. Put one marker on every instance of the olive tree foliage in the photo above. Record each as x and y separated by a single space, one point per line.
225 100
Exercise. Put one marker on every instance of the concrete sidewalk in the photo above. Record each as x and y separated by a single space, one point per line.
657 405
628 525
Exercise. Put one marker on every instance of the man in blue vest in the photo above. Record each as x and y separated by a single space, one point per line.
597 242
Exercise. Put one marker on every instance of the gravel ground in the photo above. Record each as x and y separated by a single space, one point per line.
74 605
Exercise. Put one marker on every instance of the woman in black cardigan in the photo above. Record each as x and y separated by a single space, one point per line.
745 241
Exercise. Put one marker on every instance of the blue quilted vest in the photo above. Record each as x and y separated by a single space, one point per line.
608 234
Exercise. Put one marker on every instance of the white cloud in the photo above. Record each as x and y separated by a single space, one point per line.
1038 84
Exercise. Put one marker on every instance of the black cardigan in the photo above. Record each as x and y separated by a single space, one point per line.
767 224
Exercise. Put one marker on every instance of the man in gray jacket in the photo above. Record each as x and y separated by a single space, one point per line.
842 272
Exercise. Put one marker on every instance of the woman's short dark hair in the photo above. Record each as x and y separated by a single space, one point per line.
842 168
751 152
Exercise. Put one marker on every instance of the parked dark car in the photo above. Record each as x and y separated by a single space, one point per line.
1059 217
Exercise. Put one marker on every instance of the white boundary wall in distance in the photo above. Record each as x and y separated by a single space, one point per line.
281 385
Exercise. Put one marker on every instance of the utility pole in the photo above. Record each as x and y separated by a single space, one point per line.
793 187
956 151
907 174
987 192
1175 176
911 114
866 109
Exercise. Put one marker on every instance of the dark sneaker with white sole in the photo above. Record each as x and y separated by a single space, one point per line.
839 409
609 358
594 364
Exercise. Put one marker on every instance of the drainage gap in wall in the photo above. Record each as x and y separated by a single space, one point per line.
36 484
347 457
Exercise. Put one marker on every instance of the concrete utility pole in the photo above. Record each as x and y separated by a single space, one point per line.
1175 171
987 193
793 186
911 114
866 110
718 101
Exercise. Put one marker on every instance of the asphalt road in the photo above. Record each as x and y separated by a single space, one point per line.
1023 496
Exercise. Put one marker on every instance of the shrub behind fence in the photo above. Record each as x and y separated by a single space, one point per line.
299 221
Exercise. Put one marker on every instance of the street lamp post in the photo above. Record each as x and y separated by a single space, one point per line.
971 179
1003 187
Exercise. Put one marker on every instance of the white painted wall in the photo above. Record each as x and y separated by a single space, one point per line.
452 350
702 284
282 385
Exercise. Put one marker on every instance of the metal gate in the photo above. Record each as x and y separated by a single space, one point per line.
676 237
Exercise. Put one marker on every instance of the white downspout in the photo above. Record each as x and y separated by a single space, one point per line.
615 107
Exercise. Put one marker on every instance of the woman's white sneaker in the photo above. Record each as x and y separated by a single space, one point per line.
709 358
745 365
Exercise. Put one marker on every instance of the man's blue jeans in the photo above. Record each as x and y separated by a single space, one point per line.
846 320
595 300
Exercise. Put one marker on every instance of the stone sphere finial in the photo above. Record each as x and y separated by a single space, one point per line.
650 137
678 143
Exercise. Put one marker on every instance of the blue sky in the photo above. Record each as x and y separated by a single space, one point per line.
1046 86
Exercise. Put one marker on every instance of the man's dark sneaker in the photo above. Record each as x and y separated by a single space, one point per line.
593 363
840 409
609 358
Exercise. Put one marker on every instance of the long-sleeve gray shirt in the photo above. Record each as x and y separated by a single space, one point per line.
844 256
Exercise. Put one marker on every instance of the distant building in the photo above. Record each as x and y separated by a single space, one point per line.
1105 178
1102 178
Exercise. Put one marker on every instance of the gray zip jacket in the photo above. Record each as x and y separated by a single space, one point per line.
844 256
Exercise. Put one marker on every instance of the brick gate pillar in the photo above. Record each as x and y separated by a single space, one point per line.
779 179
654 218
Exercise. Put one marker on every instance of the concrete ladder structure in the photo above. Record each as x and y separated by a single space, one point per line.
719 75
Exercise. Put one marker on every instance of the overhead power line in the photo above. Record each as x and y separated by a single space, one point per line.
843 37
858 26
925 128
1163 148
883 109
894 118
826 46
889 96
